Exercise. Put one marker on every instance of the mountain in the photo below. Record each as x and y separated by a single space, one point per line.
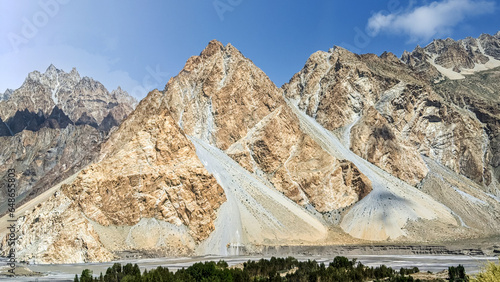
454 59
353 149
41 128
6 94
77 97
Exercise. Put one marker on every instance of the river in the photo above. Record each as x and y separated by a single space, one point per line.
434 263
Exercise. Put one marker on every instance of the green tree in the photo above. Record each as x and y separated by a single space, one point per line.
457 274
86 276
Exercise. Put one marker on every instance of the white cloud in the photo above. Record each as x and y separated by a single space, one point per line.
436 19
17 65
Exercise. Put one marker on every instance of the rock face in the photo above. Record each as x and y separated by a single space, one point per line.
47 156
349 86
374 139
74 95
222 98
52 126
452 59
477 95
147 169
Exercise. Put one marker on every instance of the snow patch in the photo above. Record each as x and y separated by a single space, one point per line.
55 90
451 74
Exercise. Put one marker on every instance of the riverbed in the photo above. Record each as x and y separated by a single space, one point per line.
434 263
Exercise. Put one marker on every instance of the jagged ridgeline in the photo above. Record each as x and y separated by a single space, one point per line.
52 126
354 149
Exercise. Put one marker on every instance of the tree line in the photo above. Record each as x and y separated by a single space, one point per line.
274 269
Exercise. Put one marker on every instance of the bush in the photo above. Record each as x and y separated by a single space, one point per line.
490 273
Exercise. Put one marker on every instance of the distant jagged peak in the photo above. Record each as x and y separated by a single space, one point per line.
455 58
51 70
122 96
69 92
53 77
6 94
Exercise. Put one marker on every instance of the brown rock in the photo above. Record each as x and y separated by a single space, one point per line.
374 139
147 169
223 98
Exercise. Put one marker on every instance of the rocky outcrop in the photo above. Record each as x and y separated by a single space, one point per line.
221 97
452 59
374 139
147 169
52 126
74 95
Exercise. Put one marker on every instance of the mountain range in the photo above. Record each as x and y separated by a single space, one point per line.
353 149
53 125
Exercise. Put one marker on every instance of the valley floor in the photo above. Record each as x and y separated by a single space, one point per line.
369 256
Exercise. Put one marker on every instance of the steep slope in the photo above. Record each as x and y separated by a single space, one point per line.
390 115
222 98
337 87
393 204
45 135
254 213
407 111
148 180
478 94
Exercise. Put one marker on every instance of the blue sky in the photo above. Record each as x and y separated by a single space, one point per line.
139 45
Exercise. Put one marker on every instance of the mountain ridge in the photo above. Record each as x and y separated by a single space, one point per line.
357 147
43 134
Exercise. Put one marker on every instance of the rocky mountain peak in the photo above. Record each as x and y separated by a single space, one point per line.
213 47
389 56
454 59
6 94
71 93
201 96
52 71
123 97
340 51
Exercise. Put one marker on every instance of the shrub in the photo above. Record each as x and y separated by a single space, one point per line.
490 273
